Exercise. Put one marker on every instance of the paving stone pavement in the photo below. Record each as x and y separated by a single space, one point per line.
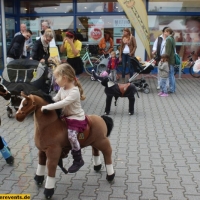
156 152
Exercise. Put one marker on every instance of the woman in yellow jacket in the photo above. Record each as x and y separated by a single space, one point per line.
73 47
106 44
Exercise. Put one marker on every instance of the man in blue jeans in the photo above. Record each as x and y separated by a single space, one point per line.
170 50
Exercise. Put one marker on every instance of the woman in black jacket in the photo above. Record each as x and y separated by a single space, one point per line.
40 49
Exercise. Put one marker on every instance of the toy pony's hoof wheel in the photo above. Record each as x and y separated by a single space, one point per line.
48 193
110 178
39 179
97 168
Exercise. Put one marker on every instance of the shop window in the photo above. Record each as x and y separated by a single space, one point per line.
46 6
10 30
9 6
174 6
58 24
186 29
98 6
93 28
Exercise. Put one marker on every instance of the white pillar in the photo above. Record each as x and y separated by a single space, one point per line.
3 30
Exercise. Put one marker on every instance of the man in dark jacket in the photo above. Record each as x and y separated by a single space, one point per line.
15 51
159 49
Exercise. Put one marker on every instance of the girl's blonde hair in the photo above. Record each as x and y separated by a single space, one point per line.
67 71
48 33
113 52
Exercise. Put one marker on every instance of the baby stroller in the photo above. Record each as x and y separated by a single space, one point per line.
25 75
140 68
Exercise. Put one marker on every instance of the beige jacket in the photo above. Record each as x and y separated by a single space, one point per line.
132 46
70 103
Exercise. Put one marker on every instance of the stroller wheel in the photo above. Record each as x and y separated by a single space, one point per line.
146 90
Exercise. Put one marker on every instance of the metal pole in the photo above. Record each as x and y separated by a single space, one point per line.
180 68
3 30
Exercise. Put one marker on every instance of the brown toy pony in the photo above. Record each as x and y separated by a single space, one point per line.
52 140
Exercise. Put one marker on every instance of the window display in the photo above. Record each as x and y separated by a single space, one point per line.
93 28
9 6
174 6
44 6
98 6
186 29
59 24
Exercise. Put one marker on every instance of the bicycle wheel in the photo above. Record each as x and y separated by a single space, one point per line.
88 67
195 75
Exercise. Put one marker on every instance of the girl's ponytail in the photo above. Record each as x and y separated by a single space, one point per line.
77 83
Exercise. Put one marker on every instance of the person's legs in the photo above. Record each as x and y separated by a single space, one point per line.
131 68
172 84
114 75
124 61
163 87
158 77
76 151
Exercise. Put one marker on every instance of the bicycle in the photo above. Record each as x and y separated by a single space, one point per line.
98 64
189 63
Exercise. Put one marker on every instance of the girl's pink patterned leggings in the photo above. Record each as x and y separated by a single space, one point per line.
72 136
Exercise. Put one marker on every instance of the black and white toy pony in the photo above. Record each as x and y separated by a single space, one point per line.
4 149
116 90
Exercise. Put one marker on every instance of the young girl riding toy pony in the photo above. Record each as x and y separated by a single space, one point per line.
69 99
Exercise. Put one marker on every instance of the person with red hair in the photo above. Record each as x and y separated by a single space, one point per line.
73 47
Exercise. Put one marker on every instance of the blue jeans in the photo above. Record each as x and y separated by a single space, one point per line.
163 85
126 59
172 81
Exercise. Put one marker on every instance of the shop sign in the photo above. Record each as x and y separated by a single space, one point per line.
95 30
121 23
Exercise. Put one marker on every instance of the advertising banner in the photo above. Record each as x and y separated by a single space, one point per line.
95 30
137 14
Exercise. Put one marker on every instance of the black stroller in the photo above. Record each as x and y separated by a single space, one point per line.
139 68
25 75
